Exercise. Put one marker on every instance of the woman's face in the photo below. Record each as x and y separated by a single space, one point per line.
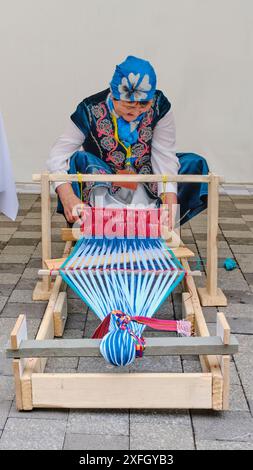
130 110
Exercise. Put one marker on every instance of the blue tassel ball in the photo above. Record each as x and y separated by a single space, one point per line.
118 347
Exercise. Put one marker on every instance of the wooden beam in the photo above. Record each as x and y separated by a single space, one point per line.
45 227
60 314
223 328
138 390
159 346
137 178
188 310
56 263
211 295
19 332
210 363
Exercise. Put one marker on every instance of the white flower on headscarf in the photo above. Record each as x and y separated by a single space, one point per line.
138 93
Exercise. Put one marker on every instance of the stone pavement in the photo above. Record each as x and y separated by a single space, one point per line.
20 249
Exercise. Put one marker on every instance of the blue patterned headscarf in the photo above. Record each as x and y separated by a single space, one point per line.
133 80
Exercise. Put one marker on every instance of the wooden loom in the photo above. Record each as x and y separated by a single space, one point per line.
206 390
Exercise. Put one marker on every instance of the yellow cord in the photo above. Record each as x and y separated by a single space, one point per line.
164 181
128 149
79 178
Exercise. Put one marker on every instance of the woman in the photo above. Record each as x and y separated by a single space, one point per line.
127 128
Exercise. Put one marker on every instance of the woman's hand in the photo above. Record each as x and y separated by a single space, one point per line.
168 216
72 205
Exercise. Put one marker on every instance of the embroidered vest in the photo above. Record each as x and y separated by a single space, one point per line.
93 118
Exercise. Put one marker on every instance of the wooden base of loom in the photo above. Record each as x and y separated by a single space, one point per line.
37 389
208 300
206 390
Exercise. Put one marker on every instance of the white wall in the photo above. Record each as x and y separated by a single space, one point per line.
53 53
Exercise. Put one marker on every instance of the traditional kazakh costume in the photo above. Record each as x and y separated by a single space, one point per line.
144 146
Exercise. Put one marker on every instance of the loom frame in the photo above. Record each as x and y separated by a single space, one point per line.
208 389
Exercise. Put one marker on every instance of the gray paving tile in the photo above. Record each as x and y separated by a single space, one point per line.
77 306
56 247
11 268
249 278
5 238
231 221
7 388
7 230
18 250
33 215
22 296
227 426
23 241
160 430
14 259
6 289
4 411
191 365
58 364
98 364
26 284
236 297
241 248
94 442
240 241
36 235
237 400
69 333
106 422
59 415
34 263
243 360
179 417
245 261
3 301
232 280
9 278
234 377
30 273
237 311
158 437
29 433
156 364
29 228
223 445
30 222
234 227
75 321
31 310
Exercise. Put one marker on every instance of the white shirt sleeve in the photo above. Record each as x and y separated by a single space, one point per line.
163 151
64 147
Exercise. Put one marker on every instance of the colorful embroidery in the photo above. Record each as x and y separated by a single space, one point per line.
145 134
108 142
117 158
101 133
98 110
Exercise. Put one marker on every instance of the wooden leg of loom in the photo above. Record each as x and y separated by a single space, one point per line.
43 288
211 295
